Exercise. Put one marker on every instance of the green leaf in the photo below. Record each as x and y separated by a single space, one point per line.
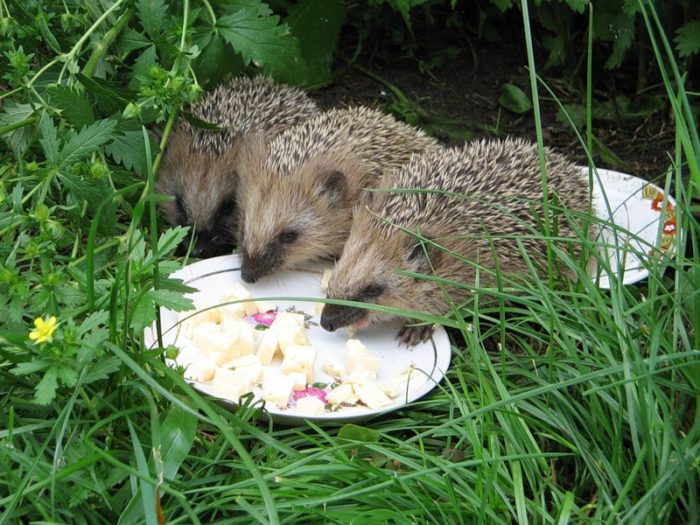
171 238
357 433
622 32
132 40
49 141
177 435
110 99
82 144
129 150
216 59
142 65
81 189
557 50
30 367
577 5
17 139
316 24
67 375
143 314
514 99
687 38
172 300
49 38
152 13
263 41
75 107
102 369
502 5
45 391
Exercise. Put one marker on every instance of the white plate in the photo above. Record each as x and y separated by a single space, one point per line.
634 227
430 359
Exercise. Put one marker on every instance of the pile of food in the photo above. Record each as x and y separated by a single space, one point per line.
249 346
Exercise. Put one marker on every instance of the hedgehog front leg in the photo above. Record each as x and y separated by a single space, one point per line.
412 334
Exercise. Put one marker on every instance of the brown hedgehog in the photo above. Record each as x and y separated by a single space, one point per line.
484 198
199 165
297 192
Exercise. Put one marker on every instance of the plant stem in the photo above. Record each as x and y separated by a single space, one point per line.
106 41
15 125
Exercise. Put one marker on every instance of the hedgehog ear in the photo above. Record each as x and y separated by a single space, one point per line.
333 186
422 255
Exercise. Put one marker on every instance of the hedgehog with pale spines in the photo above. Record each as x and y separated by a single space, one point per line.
297 192
199 165
485 198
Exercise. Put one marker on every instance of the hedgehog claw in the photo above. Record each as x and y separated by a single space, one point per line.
411 335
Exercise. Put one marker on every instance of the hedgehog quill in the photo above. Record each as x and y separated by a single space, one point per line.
297 192
487 199
199 167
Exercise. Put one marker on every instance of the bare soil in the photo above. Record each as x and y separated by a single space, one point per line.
458 99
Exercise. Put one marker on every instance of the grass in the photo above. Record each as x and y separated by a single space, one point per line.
566 405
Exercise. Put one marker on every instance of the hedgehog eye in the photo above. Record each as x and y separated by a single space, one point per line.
373 290
288 236
226 208
181 207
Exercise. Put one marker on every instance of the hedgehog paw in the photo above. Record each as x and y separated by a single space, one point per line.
411 335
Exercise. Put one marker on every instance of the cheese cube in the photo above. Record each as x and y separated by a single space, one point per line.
288 317
333 368
341 394
238 292
201 370
358 358
279 390
268 346
300 359
370 394
310 405
289 329
393 389
231 312
299 380
264 307
229 384
248 360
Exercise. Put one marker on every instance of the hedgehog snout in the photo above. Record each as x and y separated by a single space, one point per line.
257 266
336 316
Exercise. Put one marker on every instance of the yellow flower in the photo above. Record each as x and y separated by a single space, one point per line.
44 329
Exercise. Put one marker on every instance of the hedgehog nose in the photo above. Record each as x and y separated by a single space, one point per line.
248 276
328 323
199 252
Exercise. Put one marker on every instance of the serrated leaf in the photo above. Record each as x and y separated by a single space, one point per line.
45 391
30 367
49 38
514 99
67 375
75 107
577 5
110 99
82 144
92 321
142 65
17 139
176 438
81 189
151 13
263 41
143 314
132 40
172 300
49 139
316 24
622 33
171 238
129 150
102 369
687 38
261 8
502 5
216 60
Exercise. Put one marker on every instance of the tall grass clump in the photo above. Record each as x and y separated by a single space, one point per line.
564 403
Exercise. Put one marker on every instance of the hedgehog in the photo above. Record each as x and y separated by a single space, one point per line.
199 165
484 199
297 192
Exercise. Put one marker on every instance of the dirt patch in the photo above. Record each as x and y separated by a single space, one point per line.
458 99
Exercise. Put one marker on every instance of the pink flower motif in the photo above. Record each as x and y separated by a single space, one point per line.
265 318
310 391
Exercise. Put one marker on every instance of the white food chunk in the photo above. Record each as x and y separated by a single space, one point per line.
393 389
310 405
231 312
300 359
201 370
341 394
238 292
278 390
268 346
299 380
370 394
333 368
286 317
230 384
264 307
289 329
358 358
